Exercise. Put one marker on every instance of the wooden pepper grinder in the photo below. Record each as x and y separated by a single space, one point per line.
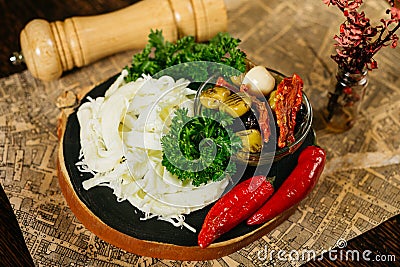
50 48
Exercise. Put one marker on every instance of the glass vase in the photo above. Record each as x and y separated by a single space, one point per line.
344 99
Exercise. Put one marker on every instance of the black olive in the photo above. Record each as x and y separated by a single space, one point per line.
246 122
300 117
250 120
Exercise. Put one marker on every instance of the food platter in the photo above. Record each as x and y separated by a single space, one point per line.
119 223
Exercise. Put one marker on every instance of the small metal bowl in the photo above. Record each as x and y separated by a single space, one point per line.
270 153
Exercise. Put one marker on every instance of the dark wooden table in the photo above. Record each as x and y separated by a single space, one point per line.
382 240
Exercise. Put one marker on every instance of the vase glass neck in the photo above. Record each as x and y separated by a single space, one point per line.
350 78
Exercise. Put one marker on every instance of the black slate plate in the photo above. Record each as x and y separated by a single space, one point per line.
125 218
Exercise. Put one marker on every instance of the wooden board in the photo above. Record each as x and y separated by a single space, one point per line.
119 224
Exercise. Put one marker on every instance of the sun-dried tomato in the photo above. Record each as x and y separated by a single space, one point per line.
287 102
263 119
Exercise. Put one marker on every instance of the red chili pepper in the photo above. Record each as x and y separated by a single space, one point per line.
295 188
234 207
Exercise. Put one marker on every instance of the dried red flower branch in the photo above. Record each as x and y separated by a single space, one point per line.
358 41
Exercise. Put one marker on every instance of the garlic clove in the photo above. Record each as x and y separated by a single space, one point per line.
259 81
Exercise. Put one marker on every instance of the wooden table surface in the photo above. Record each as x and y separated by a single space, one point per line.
13 17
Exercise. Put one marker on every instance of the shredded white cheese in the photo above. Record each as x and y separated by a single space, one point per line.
120 139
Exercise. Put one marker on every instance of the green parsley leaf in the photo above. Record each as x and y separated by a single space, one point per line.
199 149
160 54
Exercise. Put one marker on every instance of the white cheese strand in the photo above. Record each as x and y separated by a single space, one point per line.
121 146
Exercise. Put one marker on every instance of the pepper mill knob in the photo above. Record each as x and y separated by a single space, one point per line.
49 49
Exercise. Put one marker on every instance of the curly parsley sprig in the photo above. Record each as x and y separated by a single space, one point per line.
160 54
199 149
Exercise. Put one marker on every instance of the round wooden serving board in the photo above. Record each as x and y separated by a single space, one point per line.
119 224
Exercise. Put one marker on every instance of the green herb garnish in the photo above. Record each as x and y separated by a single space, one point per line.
199 149
160 54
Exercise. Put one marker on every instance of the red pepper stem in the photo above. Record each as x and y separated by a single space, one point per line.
271 179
